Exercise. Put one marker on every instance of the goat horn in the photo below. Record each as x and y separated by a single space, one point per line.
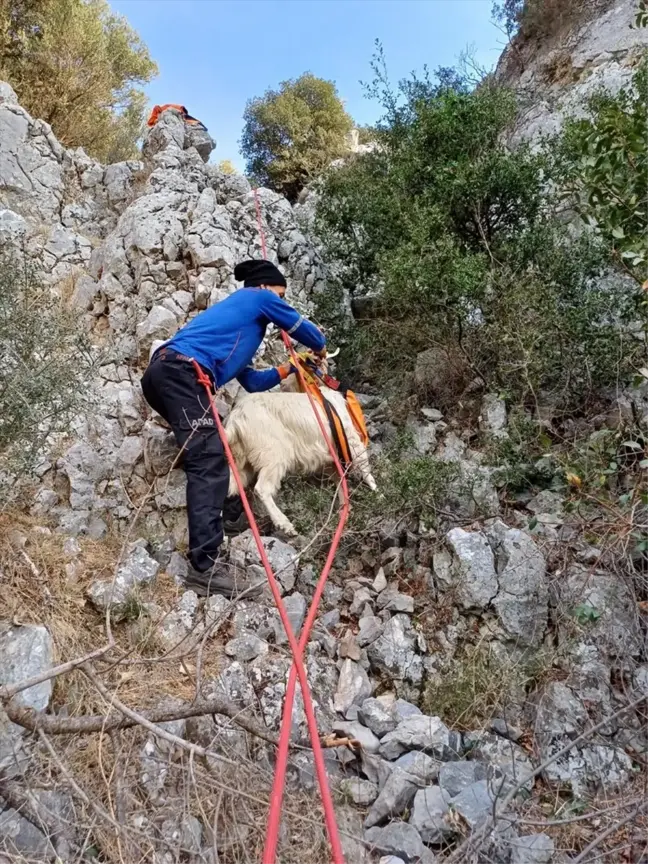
334 354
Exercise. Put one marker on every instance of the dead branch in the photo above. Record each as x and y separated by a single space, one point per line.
612 829
35 721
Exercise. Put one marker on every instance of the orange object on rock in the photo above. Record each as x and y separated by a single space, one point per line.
186 116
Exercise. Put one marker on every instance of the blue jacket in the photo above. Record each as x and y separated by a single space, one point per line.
225 337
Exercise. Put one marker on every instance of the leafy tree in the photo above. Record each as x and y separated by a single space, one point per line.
292 134
46 361
77 65
606 167
463 242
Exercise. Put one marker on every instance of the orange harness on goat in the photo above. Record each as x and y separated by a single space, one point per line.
312 378
186 116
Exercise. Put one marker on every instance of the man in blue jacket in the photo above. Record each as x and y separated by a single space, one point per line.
222 340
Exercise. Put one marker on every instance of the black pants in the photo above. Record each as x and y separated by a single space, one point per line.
171 388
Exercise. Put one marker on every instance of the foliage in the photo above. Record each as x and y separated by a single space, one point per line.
45 363
291 134
542 19
226 166
78 66
641 15
606 168
463 240
482 683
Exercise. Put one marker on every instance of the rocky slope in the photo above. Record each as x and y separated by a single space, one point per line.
498 657
556 74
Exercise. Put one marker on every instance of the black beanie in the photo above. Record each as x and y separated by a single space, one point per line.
254 273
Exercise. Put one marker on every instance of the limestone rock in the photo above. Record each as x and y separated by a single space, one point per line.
430 815
353 687
474 574
395 796
522 599
398 838
27 651
421 732
532 849
394 651
139 569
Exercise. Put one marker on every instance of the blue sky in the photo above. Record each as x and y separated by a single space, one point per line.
215 54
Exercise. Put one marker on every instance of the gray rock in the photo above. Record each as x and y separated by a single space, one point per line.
395 796
18 835
421 732
350 825
420 765
200 139
353 687
370 629
475 802
616 631
178 629
405 709
390 859
454 777
493 418
532 849
507 764
430 815
392 600
361 792
283 558
522 600
399 839
380 582
377 716
546 502
360 597
394 651
27 651
296 610
353 729
474 574
246 647
139 569
159 324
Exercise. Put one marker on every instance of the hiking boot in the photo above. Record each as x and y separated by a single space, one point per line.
234 519
236 526
223 579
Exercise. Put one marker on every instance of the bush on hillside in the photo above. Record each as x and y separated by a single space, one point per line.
45 363
543 19
79 67
464 242
605 160
292 134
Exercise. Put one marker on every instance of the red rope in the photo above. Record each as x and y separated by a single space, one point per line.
297 671
298 665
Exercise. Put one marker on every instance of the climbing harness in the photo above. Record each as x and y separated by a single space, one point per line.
312 380
186 116
297 648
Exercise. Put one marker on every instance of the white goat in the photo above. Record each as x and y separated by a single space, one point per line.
274 434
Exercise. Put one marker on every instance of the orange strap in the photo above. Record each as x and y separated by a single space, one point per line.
337 429
158 109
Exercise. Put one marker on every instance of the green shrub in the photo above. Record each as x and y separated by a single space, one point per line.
45 363
464 242
78 66
291 134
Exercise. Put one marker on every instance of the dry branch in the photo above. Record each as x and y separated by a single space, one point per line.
34 721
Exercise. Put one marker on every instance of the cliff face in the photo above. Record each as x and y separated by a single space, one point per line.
141 246
556 74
